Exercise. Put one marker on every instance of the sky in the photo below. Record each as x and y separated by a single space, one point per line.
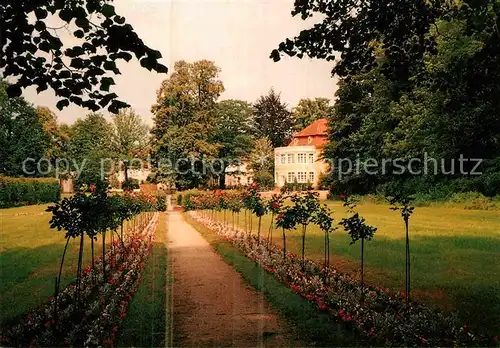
238 35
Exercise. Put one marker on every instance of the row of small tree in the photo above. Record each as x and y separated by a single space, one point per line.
292 211
88 215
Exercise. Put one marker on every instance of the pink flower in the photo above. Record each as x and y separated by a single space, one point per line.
92 188
342 196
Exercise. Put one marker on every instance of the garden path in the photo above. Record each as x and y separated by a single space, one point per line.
211 304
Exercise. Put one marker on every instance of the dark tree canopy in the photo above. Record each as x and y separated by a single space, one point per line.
351 30
34 54
22 135
273 120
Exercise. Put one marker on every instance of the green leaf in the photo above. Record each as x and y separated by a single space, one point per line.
61 104
40 13
45 46
66 15
65 74
79 34
119 19
108 10
110 65
82 22
77 63
14 91
105 83
40 26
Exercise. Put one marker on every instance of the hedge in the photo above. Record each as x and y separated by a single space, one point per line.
26 191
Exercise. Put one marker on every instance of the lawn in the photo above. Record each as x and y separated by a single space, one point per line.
146 321
30 255
454 255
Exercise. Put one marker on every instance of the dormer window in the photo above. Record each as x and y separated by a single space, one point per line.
295 141
309 140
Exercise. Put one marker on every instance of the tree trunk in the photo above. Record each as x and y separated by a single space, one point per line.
79 269
222 178
304 247
58 279
104 255
362 267
270 233
258 231
246 225
93 264
284 244
407 263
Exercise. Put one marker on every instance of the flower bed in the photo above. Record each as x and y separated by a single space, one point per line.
378 316
92 320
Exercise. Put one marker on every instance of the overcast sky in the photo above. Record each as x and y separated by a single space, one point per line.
238 35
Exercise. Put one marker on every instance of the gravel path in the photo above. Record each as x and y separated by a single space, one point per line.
212 305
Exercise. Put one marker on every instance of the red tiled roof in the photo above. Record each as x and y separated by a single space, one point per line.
317 141
318 127
315 135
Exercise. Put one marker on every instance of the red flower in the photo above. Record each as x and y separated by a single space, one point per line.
372 331
52 298
92 188
342 196
423 340
276 205
115 328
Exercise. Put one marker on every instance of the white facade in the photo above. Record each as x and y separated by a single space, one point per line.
138 174
297 164
238 175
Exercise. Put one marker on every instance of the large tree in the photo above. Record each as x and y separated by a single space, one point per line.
261 162
22 136
33 52
185 116
129 137
233 133
272 119
309 110
90 150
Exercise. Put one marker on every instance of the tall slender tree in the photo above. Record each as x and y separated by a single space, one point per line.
272 119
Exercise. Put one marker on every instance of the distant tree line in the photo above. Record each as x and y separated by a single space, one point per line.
422 77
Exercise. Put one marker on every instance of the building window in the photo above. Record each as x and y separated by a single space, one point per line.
301 177
291 177
311 177
283 159
311 158
301 158
291 158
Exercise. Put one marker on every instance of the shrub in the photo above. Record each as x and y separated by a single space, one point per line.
179 199
26 191
130 184
264 180
187 202
162 201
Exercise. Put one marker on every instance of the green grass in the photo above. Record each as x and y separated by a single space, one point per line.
30 255
146 321
315 327
454 256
